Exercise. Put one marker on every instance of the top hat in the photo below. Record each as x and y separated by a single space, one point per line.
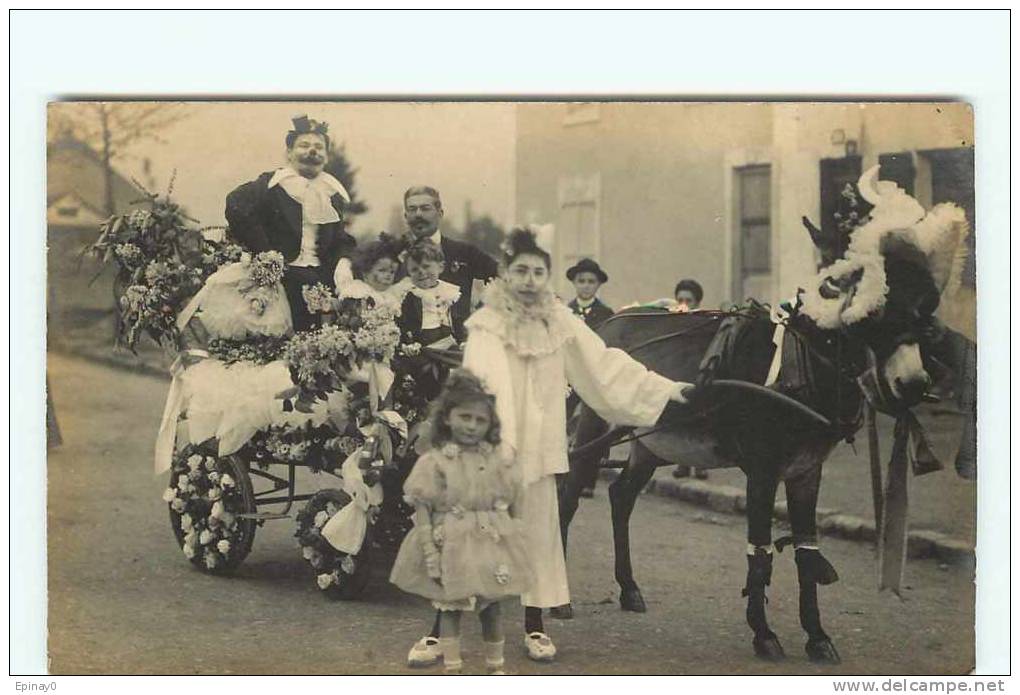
587 265
303 125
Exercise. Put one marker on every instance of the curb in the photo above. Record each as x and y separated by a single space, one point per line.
921 543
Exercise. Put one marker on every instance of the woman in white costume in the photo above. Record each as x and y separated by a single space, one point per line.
527 347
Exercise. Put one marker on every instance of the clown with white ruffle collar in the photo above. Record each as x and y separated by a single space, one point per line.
527 347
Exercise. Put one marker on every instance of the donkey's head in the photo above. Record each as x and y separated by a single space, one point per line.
885 287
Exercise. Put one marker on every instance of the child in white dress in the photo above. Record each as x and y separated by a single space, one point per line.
527 347
466 550
372 274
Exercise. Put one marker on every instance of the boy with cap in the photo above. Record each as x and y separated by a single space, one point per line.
587 277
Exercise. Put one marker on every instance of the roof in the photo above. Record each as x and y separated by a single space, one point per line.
73 168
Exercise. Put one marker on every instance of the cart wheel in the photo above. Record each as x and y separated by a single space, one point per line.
206 496
340 576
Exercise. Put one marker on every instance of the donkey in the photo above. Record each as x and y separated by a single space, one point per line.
870 310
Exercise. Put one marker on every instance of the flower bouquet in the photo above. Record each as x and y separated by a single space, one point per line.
162 261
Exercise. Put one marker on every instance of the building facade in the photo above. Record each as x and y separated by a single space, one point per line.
657 192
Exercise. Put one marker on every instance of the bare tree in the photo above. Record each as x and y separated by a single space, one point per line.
110 129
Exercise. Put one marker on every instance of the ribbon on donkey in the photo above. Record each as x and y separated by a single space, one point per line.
910 445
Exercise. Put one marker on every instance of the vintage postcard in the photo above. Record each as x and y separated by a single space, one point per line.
366 387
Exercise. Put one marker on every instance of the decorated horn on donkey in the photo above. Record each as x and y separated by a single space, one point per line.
898 231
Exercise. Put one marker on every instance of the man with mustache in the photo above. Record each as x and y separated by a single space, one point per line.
298 211
423 211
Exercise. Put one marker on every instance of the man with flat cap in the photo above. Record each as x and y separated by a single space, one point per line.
298 211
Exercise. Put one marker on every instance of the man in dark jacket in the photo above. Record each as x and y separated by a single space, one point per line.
587 277
298 211
423 211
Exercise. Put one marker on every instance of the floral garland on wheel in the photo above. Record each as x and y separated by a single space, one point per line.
206 500
335 571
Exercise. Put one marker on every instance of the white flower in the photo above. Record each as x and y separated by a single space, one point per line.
331 508
450 450
184 485
215 493
186 523
210 464
189 540
217 510
195 476
307 552
189 551
438 534
320 519
502 574
177 505
214 476
206 537
169 494
324 581
223 546
194 462
226 480
347 564
211 560
257 306
245 258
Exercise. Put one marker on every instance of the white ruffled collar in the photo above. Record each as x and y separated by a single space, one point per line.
323 180
452 450
531 331
314 195
444 292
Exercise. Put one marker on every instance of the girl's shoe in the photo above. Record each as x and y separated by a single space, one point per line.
425 652
540 647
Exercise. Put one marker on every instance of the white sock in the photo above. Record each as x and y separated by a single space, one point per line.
494 654
450 647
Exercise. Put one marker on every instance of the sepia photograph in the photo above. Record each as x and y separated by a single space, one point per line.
608 387
667 349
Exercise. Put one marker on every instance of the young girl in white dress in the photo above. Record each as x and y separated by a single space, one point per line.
372 274
527 347
466 550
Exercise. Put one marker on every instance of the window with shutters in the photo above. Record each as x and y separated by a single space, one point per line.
577 226
753 252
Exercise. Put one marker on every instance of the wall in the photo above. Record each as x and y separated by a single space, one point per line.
662 210
667 207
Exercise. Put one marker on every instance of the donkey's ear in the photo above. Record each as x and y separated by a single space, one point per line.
829 247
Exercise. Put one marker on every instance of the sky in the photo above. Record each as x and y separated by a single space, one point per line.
465 150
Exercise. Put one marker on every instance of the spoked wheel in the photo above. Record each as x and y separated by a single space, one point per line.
207 497
340 576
